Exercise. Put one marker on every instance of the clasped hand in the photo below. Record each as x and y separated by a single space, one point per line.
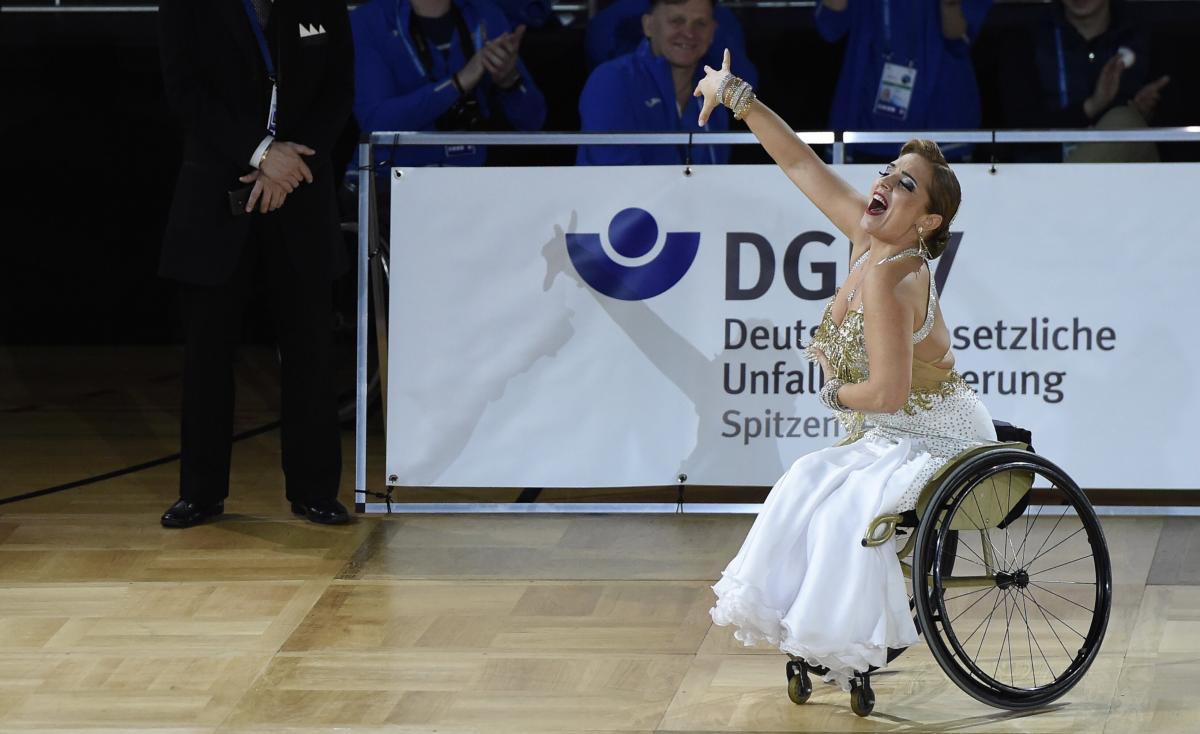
280 173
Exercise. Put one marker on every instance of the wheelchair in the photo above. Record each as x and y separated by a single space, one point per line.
1011 578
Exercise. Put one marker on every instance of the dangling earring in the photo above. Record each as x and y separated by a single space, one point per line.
921 242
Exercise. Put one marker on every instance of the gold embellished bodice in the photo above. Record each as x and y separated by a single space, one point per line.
942 415
845 346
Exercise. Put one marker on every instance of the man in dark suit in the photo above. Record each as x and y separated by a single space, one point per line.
263 89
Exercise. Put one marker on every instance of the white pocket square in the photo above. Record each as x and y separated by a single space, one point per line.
307 31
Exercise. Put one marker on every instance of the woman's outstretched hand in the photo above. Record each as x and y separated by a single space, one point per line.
707 88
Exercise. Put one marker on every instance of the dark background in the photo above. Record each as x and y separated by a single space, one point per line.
90 150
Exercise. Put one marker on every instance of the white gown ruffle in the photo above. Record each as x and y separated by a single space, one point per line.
802 580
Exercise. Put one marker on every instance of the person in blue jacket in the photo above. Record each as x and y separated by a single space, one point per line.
617 30
907 67
448 65
650 90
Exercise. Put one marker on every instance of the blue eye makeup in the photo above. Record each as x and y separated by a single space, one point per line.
905 180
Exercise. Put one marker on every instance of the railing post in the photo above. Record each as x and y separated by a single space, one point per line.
365 192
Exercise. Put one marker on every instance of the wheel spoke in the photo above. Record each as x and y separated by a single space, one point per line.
959 596
1028 641
964 642
968 560
984 531
1008 633
1048 624
1052 614
1029 633
994 588
1007 629
1072 535
1025 540
1004 596
978 511
968 547
1092 610
1068 563
1004 514
988 625
1051 533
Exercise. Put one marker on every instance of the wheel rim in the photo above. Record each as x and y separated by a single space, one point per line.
1028 637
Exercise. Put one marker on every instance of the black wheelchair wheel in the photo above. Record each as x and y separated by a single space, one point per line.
1019 615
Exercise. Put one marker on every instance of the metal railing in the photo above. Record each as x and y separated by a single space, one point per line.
76 6
366 183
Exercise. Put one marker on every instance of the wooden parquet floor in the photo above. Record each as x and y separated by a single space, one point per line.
443 623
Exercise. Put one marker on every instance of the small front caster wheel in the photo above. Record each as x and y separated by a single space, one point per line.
794 667
799 687
862 698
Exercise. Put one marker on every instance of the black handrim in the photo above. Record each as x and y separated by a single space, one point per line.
1032 595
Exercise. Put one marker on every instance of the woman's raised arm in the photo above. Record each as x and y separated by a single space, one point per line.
829 192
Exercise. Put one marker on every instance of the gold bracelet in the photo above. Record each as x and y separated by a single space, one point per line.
744 104
737 95
730 88
263 158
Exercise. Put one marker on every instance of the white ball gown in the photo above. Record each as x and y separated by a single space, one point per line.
802 580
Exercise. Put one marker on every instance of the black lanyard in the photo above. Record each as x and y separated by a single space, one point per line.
424 52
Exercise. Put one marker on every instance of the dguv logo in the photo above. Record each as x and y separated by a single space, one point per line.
633 233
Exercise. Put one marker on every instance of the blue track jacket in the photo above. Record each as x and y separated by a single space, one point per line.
617 30
946 95
393 90
635 93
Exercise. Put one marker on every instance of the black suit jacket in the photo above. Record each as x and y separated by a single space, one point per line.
216 81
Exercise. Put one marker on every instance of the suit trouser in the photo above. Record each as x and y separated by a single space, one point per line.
302 305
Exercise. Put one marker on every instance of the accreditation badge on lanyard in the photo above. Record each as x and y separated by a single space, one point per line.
261 37
895 90
896 82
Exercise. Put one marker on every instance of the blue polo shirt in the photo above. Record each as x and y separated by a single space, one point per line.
394 91
635 93
945 94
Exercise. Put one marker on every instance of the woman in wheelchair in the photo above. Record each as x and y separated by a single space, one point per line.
805 580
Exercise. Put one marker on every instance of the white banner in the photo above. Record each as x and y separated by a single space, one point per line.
579 327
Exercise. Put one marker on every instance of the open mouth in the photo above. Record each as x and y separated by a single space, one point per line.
877 205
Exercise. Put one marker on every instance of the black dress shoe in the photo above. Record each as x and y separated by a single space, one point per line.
185 514
325 512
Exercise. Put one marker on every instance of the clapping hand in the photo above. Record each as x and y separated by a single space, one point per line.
500 57
707 88
1146 100
1107 86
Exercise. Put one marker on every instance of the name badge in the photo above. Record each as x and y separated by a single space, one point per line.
274 107
895 91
